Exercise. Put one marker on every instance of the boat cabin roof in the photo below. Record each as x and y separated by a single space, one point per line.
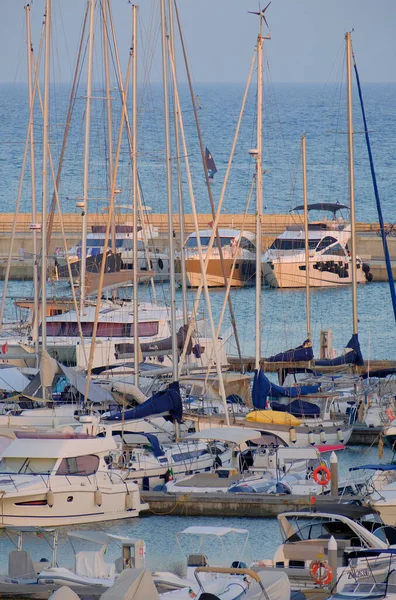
57 448
325 206
232 233
236 435
112 313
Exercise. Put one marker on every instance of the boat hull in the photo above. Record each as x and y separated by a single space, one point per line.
244 273
72 506
291 274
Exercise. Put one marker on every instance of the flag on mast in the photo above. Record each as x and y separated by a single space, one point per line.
210 164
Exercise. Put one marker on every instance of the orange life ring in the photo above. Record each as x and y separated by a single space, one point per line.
321 572
322 475
390 414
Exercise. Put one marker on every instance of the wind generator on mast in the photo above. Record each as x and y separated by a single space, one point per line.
257 153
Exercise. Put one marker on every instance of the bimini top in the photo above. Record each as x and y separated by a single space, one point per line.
56 448
328 206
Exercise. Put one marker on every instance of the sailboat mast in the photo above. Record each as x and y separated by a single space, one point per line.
33 183
109 114
259 190
307 295
86 157
169 196
351 180
135 198
179 177
45 178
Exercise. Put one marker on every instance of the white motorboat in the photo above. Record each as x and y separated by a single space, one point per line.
306 536
236 246
151 465
56 479
329 256
148 260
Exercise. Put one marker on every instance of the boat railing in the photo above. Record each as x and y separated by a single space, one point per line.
49 478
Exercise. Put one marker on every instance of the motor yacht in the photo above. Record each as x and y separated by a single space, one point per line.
306 535
237 246
329 256
62 478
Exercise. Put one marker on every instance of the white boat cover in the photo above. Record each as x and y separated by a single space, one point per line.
64 593
236 435
276 584
95 392
92 564
11 379
133 584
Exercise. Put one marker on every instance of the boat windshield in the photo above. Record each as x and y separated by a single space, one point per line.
322 529
26 466
291 244
224 241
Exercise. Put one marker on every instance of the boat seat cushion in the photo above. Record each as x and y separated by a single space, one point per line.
92 564
20 564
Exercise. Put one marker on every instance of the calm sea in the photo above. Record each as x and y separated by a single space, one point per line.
289 110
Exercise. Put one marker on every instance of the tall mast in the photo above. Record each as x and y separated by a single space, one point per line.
351 180
33 182
44 179
169 196
179 177
259 189
307 297
86 157
109 114
135 197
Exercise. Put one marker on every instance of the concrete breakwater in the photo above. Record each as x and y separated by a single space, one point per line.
369 244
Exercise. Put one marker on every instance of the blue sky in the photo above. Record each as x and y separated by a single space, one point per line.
307 37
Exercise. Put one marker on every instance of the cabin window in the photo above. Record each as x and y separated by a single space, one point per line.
35 466
79 465
247 244
112 329
326 241
289 244
147 328
53 328
224 241
336 250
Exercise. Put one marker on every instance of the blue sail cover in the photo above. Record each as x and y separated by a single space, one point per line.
299 354
168 400
298 408
352 355
263 388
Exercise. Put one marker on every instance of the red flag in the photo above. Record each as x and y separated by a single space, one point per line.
4 348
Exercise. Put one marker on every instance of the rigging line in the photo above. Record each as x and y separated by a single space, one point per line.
376 193
18 200
75 304
76 81
224 306
208 185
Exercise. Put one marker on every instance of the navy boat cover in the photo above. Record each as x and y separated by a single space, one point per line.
168 400
263 388
299 354
352 355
